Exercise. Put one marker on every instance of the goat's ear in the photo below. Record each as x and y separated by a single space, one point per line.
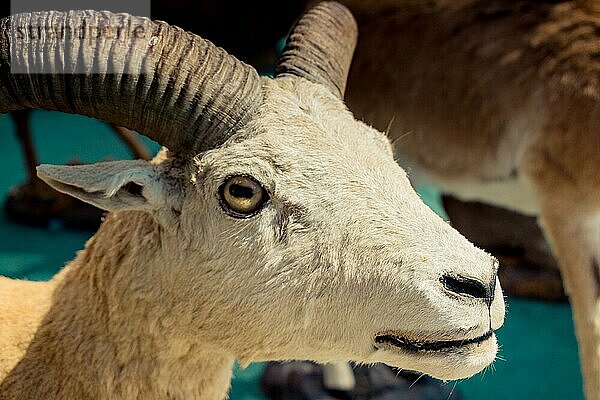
112 186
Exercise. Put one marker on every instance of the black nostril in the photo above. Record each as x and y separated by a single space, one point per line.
468 287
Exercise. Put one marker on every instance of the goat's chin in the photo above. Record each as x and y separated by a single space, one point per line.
449 364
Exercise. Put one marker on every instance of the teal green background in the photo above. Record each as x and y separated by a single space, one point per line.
538 348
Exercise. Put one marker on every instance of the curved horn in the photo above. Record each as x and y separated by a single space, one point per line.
157 79
320 47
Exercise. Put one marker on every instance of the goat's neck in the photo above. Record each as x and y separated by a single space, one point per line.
103 336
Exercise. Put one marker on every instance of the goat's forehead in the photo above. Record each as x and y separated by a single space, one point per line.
302 120
304 132
312 166
318 153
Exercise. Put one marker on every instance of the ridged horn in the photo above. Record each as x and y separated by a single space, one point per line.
320 47
157 79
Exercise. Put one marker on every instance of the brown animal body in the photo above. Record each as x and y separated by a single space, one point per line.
498 101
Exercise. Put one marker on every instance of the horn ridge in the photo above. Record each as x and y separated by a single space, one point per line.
168 84
320 47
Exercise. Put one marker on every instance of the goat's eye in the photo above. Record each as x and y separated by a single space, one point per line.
242 196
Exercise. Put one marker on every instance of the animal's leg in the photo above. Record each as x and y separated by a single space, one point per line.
338 376
576 242
137 148
21 120
570 218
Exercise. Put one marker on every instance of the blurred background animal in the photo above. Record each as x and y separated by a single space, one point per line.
499 102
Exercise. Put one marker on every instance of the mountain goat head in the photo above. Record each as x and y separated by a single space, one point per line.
285 228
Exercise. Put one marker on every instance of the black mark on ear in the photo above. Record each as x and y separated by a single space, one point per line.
134 189
596 272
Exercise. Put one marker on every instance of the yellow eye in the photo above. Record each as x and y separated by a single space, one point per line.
242 196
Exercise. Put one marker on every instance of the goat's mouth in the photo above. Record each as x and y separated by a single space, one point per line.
413 345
